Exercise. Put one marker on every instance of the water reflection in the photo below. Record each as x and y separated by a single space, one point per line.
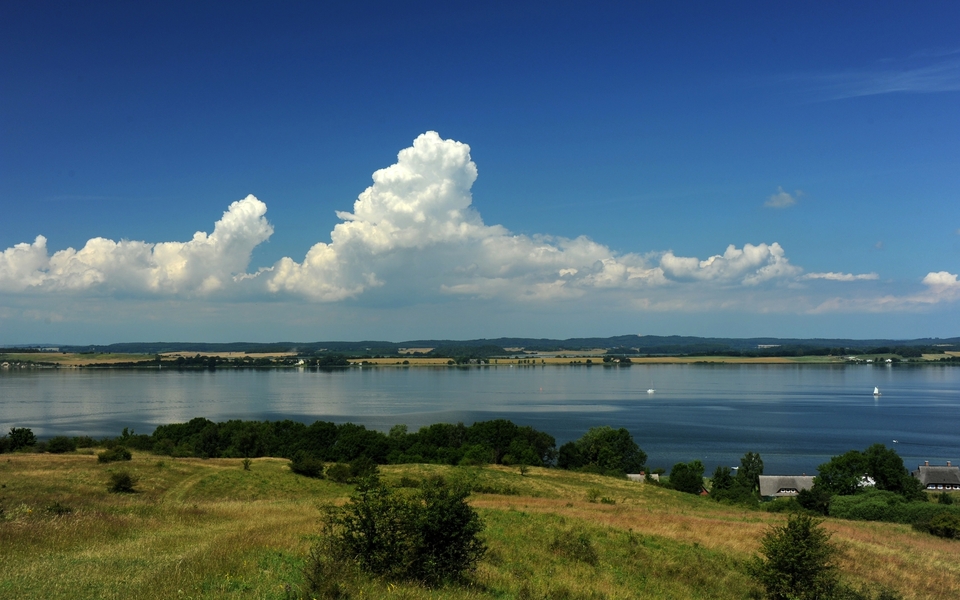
795 416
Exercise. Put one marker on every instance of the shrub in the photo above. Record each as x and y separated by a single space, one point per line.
363 467
945 525
574 545
816 500
687 477
122 482
246 464
61 444
878 505
325 571
114 454
339 473
305 464
21 437
797 561
431 536
5 445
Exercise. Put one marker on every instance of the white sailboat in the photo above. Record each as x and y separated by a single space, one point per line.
876 391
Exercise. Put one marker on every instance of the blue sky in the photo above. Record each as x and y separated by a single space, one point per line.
554 170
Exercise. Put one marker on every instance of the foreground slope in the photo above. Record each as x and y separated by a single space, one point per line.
210 529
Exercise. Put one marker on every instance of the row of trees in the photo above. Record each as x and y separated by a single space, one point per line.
600 450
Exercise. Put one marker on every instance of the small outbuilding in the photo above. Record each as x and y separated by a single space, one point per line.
938 477
784 486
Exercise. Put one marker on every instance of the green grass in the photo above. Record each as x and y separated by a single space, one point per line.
209 529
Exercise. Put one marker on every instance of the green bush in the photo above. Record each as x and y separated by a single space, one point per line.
363 467
303 464
114 454
339 473
879 505
687 477
945 525
61 444
797 561
122 482
816 500
431 536
574 545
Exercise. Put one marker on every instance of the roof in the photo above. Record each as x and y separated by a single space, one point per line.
784 485
937 475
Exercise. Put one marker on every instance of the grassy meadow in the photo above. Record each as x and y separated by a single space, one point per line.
210 529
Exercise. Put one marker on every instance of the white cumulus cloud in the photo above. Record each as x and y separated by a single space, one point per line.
941 280
414 236
203 265
750 265
415 226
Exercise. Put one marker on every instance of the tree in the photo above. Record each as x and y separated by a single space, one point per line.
797 561
722 479
886 468
751 468
846 474
687 477
605 449
724 486
842 475
21 437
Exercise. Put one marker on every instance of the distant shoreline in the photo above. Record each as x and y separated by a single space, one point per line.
239 360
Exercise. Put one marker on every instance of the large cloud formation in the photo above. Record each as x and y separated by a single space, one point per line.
413 235
205 264
419 211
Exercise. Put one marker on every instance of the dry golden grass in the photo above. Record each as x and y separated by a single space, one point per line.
209 529
73 359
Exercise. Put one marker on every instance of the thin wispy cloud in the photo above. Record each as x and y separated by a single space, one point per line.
917 75
841 276
940 287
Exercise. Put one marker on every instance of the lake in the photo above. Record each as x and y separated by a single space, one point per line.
795 416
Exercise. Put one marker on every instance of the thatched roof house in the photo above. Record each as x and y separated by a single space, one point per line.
938 477
780 486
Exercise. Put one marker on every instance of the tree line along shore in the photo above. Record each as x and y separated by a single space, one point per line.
464 357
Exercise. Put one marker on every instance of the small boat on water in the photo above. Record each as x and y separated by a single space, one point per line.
876 391
651 390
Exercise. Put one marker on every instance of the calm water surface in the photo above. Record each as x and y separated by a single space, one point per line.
795 416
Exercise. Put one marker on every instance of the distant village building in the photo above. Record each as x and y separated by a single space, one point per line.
784 486
938 477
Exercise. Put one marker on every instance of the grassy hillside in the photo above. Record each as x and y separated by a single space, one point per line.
209 529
